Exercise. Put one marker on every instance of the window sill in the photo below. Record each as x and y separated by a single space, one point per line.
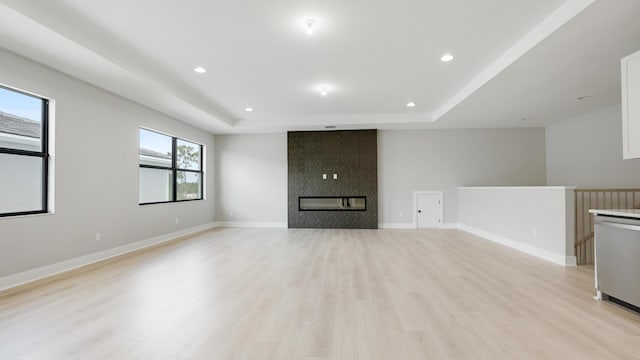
9 217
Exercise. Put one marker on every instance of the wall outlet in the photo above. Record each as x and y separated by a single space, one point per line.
230 213
535 232
177 220
401 215
324 176
98 236
335 176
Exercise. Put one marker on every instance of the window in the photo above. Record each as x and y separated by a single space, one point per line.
24 158
170 168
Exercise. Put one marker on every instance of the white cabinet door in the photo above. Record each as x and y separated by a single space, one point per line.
429 209
631 106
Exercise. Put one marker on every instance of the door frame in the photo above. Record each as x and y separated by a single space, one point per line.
415 205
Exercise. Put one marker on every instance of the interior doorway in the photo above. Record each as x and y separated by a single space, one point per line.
428 209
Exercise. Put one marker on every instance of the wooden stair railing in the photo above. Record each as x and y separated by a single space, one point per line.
584 239
586 199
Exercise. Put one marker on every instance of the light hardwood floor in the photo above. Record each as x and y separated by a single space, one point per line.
319 294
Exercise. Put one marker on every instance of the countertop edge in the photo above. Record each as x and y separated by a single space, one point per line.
629 213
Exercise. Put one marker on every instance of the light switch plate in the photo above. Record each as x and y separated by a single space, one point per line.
324 176
335 176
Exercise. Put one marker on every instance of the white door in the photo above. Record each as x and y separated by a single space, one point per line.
429 210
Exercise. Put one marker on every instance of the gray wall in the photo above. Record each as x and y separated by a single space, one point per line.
252 169
251 181
96 174
445 159
586 151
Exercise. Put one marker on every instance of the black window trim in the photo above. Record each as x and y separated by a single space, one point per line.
43 153
174 169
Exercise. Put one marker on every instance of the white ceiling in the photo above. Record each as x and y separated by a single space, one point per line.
513 58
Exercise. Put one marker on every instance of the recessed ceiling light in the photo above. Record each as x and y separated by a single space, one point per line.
525 119
446 57
323 90
411 104
200 70
309 26
585 97
248 109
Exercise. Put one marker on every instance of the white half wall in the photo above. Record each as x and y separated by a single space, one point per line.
586 151
95 185
536 220
251 181
446 159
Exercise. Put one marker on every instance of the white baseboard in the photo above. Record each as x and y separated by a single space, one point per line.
250 224
28 276
412 226
397 226
571 261
531 250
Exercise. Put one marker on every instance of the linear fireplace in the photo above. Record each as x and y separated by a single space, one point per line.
332 203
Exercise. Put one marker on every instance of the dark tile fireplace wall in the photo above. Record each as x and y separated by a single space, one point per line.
353 156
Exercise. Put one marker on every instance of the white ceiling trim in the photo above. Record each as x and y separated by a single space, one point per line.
343 121
553 22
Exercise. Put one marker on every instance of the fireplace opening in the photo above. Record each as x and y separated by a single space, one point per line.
332 203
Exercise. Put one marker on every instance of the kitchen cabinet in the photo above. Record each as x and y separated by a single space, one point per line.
631 106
